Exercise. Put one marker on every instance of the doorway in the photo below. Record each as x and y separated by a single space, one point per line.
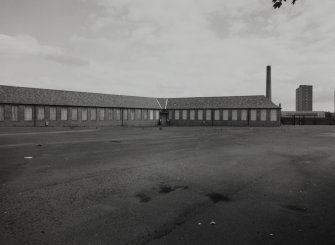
163 119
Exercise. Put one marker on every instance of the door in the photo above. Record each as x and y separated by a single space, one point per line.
163 117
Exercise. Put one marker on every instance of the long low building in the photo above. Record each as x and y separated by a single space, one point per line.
21 106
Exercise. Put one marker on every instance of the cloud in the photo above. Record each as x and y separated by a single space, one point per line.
23 45
189 48
65 59
197 48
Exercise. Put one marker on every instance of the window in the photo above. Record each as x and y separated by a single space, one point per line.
192 114
216 115
132 114
40 113
273 115
244 115
263 115
53 113
125 114
225 115
117 113
74 114
253 115
176 114
157 114
151 114
93 114
2 113
145 114
101 114
170 115
63 114
109 114
200 115
84 114
234 115
14 112
28 113
208 115
184 114
138 114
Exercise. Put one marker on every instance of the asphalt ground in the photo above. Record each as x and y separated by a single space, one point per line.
151 186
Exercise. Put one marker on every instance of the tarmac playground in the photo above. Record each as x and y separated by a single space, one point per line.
178 185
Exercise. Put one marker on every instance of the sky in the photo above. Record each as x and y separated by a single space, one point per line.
170 48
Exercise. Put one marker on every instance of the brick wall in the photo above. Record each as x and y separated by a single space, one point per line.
221 122
106 122
128 118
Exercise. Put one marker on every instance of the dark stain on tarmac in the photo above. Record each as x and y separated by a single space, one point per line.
143 197
166 229
167 188
297 209
217 197
21 164
39 145
116 141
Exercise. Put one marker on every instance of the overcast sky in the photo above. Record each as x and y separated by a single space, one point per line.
170 48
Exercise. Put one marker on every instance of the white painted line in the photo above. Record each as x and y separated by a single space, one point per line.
159 104
166 101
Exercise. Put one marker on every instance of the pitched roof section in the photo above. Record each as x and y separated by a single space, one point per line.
238 102
35 96
162 102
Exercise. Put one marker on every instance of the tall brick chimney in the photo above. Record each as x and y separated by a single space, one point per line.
268 82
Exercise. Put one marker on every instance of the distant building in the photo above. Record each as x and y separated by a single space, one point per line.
304 98
307 118
45 107
305 114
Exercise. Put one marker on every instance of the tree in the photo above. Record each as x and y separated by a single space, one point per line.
278 3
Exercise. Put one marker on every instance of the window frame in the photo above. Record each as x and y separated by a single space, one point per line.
145 114
117 113
25 113
110 113
208 115
93 114
200 115
85 110
14 113
151 114
192 115
263 115
138 114
101 114
234 115
72 114
273 115
40 113
244 115
64 109
184 115
52 115
176 115
225 115
216 115
253 115
2 113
